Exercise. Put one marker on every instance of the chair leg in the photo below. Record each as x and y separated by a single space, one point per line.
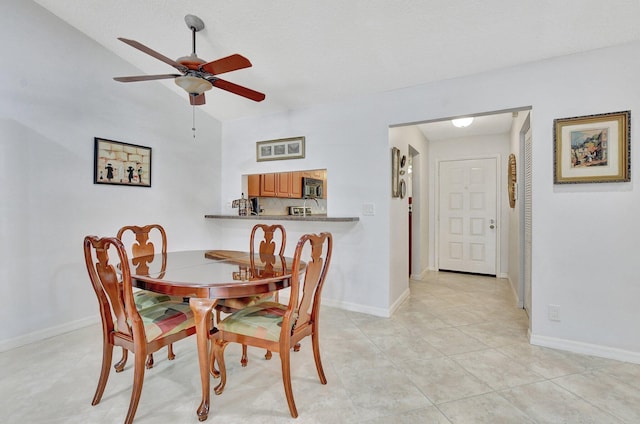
212 362
119 366
286 381
217 350
138 379
245 359
170 355
149 363
107 354
315 341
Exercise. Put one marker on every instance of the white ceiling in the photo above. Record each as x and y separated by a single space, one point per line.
309 51
498 123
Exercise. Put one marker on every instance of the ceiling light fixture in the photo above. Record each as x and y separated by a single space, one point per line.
462 122
193 85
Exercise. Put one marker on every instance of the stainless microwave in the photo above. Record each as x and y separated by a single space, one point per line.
311 188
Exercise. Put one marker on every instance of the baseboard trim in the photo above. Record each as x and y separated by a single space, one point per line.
586 348
46 333
354 307
404 296
514 290
419 276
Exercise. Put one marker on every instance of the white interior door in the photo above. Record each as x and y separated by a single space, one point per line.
467 216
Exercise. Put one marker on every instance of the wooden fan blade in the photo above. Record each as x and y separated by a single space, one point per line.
226 64
237 89
196 99
145 77
154 53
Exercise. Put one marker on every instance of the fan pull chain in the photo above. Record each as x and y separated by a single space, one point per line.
193 128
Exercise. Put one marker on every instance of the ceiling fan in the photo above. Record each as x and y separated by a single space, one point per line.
197 76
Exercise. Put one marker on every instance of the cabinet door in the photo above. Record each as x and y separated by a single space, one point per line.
253 182
296 185
283 184
268 185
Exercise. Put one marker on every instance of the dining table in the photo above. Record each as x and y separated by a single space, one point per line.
202 277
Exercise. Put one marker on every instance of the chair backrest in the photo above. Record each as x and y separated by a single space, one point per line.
140 243
273 239
304 301
144 237
270 244
113 288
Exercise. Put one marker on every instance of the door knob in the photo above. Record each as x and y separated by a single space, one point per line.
491 222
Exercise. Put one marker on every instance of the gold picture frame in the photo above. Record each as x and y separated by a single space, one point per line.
592 149
512 179
283 148
395 172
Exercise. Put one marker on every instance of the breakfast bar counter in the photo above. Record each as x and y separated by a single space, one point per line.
321 218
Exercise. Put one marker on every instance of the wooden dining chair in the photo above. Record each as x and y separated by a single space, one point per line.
278 327
139 242
139 331
273 239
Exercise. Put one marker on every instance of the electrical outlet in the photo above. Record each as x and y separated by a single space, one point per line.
368 209
553 312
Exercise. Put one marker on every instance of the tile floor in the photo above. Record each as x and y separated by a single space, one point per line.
455 352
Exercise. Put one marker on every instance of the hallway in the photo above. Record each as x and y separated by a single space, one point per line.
455 352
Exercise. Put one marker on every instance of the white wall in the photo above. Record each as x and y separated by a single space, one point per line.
350 138
410 138
515 247
360 272
404 138
496 145
57 95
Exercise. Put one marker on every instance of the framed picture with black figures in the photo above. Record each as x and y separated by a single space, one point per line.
121 163
592 149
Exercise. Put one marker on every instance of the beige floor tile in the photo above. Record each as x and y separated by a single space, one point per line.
443 380
495 369
606 392
546 402
490 408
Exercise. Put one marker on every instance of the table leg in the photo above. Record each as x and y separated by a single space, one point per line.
202 313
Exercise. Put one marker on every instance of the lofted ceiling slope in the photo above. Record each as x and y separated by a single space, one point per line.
306 52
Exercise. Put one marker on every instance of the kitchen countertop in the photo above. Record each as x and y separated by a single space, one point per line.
321 218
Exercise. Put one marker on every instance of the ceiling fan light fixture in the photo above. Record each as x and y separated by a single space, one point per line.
462 122
193 85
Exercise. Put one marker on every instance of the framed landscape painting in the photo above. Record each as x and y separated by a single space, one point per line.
592 149
121 163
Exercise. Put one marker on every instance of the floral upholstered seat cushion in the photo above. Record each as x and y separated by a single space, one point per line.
166 318
243 302
263 320
145 298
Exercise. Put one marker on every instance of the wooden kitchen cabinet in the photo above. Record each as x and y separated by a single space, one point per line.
253 182
281 184
295 189
268 185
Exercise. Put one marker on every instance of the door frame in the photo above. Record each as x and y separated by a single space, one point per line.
499 195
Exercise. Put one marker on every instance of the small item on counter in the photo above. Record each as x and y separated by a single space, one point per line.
243 205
